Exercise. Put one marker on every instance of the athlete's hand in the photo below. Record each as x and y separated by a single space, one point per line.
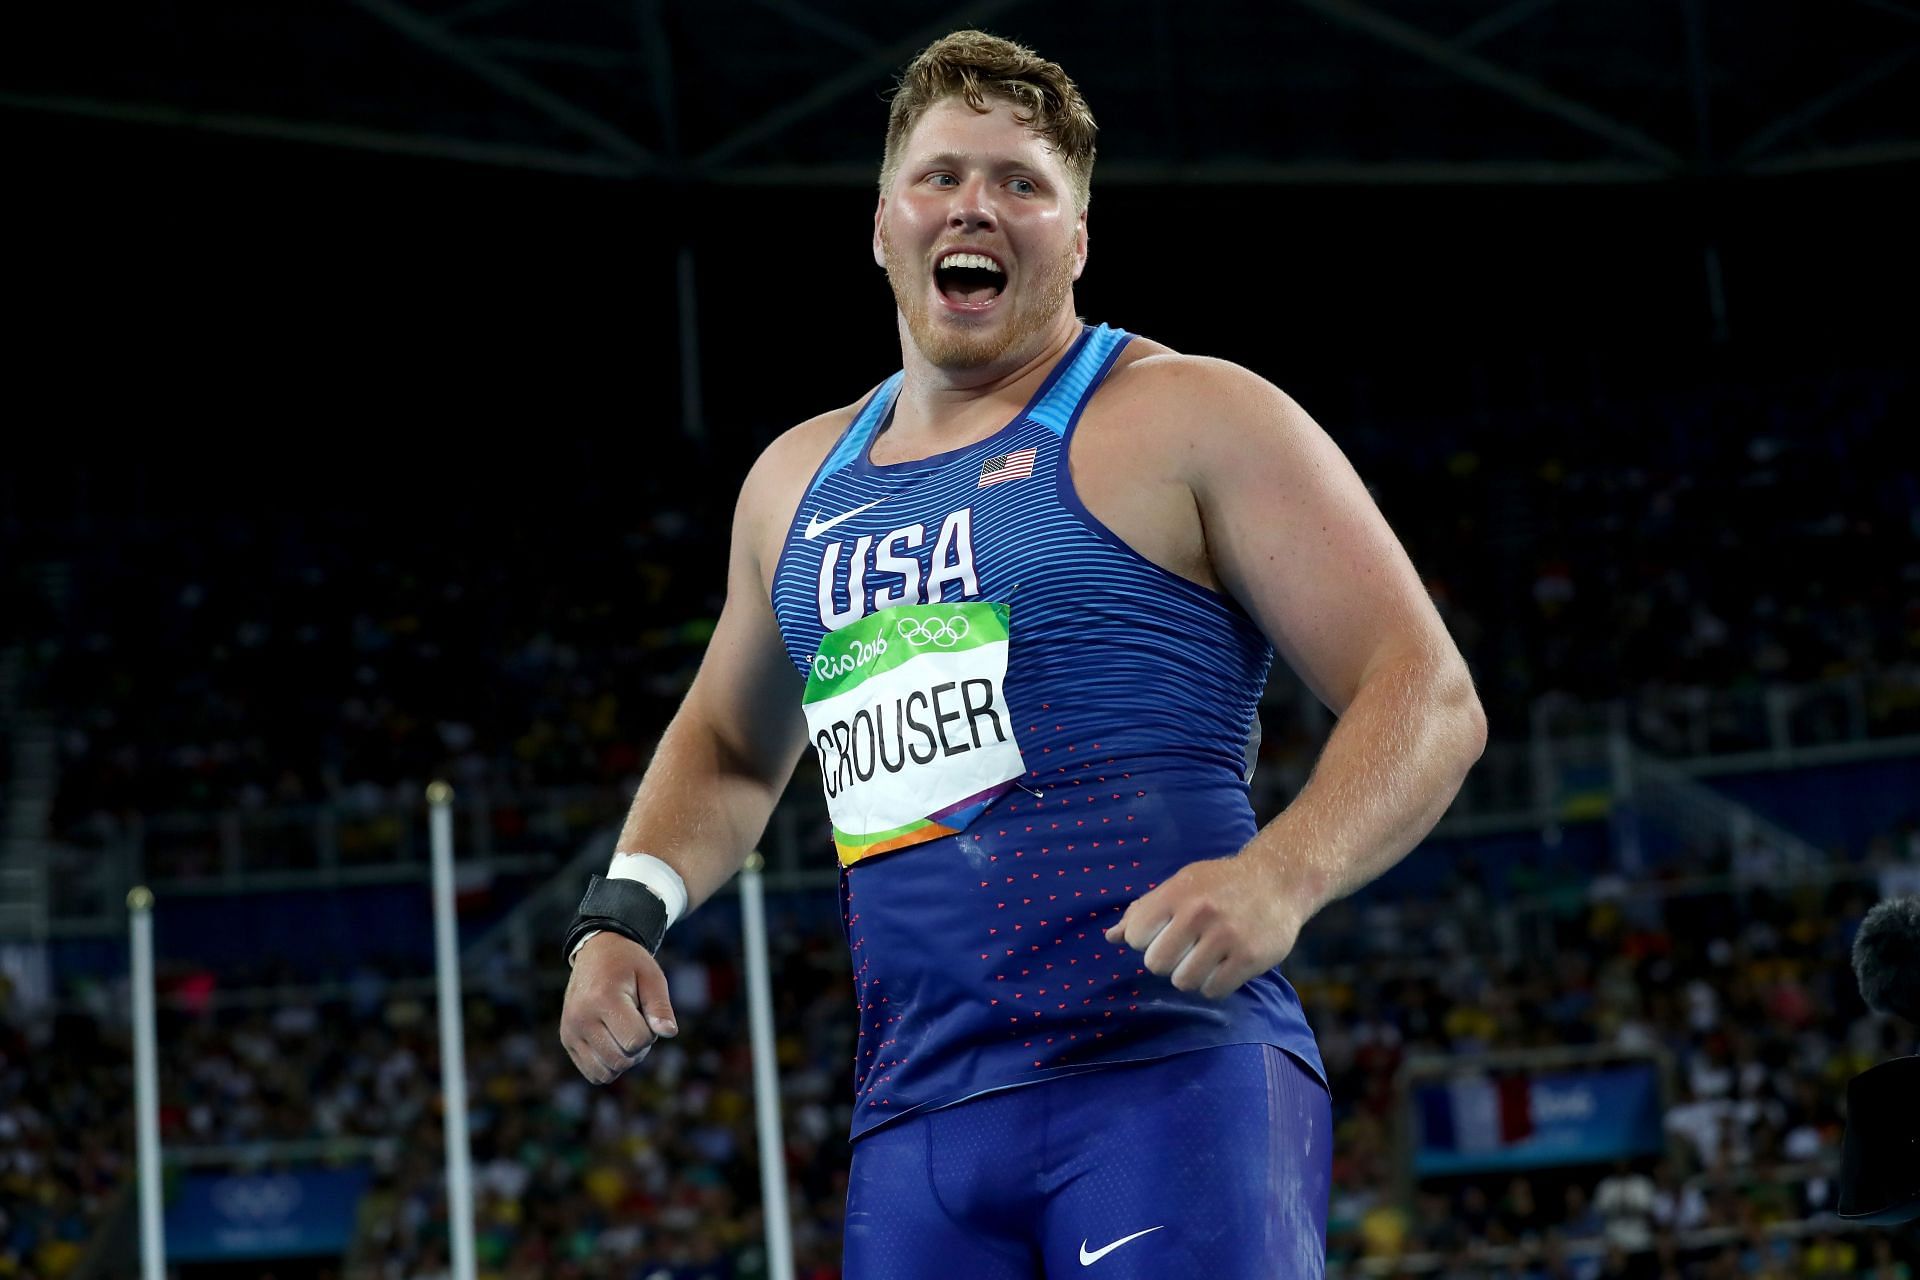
616 1007
1214 925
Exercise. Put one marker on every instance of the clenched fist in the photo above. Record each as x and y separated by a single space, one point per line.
1214 925
616 1007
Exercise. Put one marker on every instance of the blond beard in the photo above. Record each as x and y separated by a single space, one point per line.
948 347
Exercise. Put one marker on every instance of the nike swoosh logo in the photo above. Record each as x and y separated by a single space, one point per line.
1088 1259
816 526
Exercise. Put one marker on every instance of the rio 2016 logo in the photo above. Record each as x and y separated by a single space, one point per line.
938 632
858 655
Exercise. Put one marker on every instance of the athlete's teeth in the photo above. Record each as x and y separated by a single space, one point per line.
979 262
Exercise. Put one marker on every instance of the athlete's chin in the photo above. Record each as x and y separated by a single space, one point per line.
947 345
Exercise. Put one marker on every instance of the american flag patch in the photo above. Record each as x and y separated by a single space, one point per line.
1017 465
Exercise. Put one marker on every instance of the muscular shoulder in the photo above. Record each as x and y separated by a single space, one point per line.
1188 386
1196 412
790 460
778 477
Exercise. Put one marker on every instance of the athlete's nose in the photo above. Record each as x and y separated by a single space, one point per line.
971 210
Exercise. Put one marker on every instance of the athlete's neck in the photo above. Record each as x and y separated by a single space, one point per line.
937 403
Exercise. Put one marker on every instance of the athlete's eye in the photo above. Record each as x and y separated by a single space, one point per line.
942 179
1024 186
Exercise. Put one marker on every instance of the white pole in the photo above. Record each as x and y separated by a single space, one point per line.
146 1086
453 1045
766 1086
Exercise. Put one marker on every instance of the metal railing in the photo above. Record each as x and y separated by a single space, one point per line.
1580 762
1774 724
367 840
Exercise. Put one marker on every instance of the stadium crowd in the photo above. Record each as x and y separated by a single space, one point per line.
1746 989
1726 536
1722 537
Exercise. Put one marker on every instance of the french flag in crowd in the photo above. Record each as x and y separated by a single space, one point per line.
1477 1113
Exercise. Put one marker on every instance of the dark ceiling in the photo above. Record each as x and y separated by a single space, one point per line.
791 91
449 218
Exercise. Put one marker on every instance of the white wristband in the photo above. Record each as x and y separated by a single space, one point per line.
657 876
650 871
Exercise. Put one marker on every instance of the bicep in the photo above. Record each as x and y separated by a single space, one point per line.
1294 535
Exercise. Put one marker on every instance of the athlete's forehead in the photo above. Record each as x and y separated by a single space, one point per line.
953 133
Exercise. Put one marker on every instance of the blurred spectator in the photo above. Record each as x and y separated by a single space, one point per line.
659 1171
1624 1200
1677 1207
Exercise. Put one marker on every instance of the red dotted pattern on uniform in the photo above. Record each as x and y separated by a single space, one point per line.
876 1045
1073 868
1072 871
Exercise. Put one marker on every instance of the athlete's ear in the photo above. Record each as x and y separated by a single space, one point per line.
1080 246
879 245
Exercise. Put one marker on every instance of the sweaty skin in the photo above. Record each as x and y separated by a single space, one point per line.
1201 466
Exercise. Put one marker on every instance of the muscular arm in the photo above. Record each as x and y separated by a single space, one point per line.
707 794
728 752
1295 537
1289 530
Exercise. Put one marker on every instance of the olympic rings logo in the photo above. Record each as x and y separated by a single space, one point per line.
941 633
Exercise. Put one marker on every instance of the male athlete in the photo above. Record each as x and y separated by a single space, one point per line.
1021 600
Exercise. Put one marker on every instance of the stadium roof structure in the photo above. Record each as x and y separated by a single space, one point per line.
1197 91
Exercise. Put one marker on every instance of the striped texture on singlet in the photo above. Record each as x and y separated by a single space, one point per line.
978 957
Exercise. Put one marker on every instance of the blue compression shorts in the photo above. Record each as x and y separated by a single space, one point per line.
1213 1163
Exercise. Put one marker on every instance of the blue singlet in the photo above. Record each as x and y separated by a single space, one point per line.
978 959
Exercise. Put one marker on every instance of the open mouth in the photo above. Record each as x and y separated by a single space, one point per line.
969 279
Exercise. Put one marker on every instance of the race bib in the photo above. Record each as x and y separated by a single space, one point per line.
907 714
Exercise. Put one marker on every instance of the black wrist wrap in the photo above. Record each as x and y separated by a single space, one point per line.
625 907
